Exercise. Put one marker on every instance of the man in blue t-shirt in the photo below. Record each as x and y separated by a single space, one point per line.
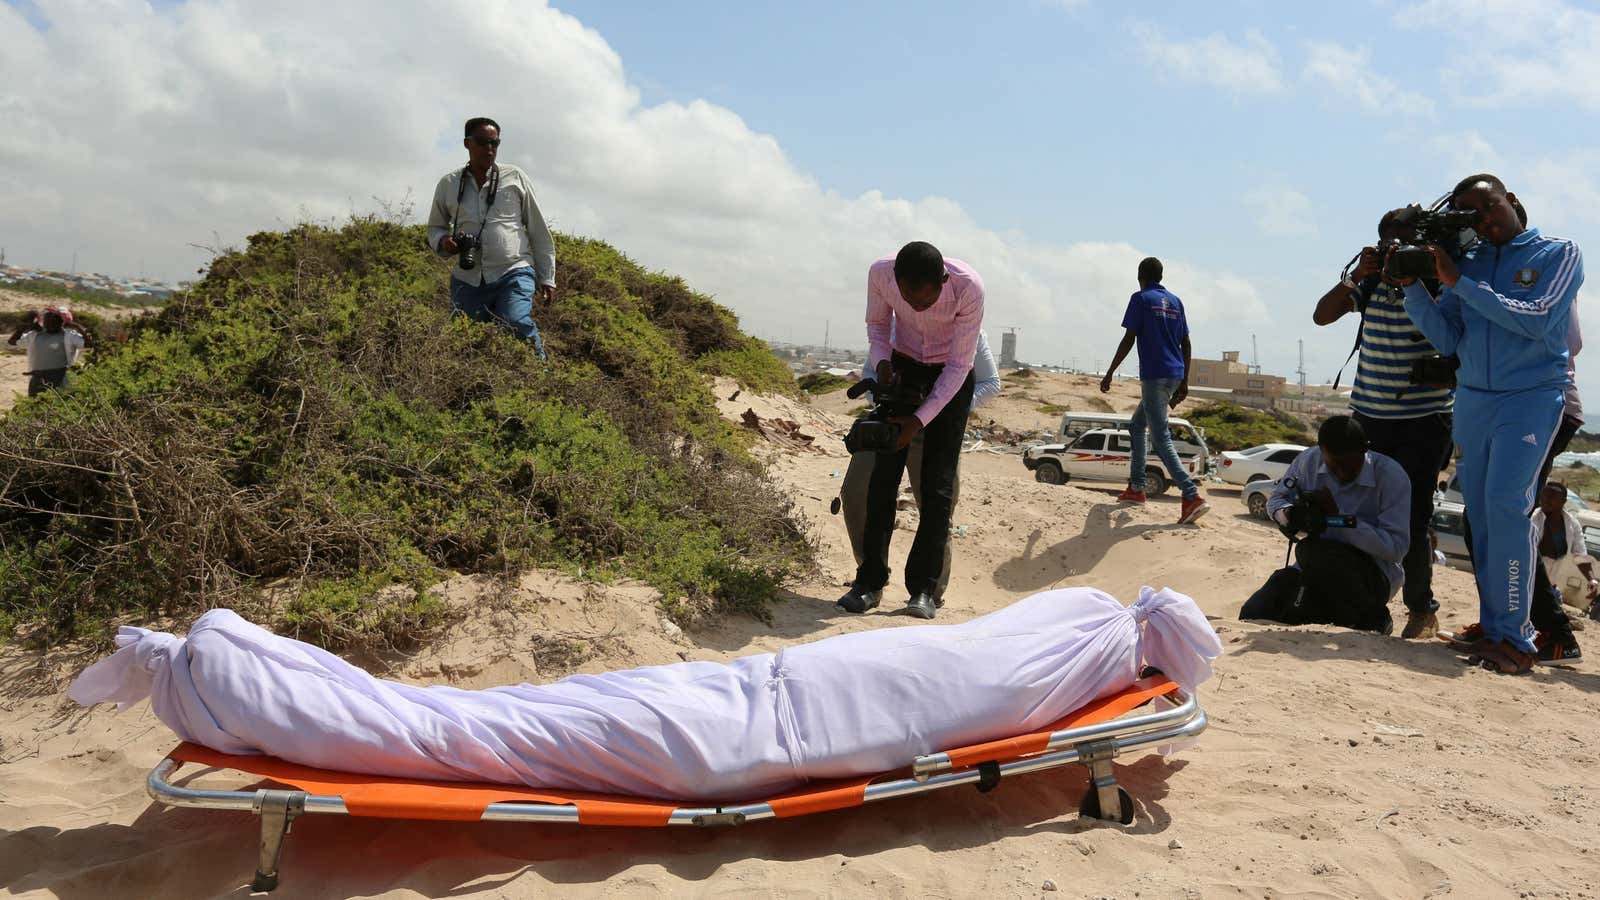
1155 321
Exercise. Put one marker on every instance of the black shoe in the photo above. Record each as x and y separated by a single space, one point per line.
859 601
1557 649
923 606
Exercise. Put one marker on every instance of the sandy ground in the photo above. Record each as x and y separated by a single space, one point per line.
1337 764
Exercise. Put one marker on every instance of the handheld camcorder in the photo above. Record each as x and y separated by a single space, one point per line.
467 250
873 432
1306 515
1451 229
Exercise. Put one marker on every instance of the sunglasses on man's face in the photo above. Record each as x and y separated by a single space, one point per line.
485 142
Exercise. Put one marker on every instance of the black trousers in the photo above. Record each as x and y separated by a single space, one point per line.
41 380
1421 446
1569 427
1336 584
1544 610
941 455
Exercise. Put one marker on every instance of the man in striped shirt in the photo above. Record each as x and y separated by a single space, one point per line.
1405 420
924 314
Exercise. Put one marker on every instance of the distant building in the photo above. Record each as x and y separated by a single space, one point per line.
1008 350
1248 388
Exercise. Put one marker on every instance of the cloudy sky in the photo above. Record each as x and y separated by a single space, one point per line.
769 152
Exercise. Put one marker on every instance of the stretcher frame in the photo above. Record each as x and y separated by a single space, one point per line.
1092 736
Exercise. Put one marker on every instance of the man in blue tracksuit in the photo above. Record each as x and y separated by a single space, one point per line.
1504 311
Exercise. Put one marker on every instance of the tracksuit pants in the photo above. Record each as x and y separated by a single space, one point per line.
1504 437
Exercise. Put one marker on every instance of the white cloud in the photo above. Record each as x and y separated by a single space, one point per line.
132 134
1460 151
1561 192
1282 212
1505 51
1348 73
1248 68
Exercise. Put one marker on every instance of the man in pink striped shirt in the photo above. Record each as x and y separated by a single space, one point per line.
933 308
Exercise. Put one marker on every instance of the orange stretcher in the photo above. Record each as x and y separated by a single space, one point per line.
1092 735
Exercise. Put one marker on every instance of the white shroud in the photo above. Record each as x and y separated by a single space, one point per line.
850 705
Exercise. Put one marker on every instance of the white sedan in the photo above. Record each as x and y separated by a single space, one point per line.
1267 462
1256 494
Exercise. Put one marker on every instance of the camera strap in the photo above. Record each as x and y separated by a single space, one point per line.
461 193
1360 295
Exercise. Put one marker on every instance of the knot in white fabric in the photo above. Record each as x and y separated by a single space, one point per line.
126 676
1140 610
1175 636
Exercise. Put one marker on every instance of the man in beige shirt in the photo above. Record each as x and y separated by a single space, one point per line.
486 216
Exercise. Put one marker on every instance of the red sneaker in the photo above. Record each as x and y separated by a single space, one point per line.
1193 508
1463 639
1129 495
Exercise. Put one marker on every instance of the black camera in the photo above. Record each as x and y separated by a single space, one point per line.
873 432
1451 229
1306 515
467 250
1435 371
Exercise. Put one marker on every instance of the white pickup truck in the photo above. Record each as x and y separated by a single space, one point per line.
1102 455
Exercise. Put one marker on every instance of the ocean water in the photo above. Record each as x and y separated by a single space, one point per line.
1592 460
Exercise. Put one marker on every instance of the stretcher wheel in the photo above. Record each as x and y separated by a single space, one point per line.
1090 805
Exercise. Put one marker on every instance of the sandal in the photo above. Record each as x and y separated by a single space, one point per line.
1500 656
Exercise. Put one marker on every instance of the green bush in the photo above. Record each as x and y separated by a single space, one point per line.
309 418
819 383
1229 426
752 365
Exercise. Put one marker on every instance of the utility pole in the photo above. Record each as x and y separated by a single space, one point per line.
826 334
1302 370
1255 357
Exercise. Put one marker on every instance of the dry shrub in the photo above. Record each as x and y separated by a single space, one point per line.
310 413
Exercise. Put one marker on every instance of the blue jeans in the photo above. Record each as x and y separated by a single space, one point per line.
507 302
1152 413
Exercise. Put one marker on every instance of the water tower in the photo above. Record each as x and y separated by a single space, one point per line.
1008 349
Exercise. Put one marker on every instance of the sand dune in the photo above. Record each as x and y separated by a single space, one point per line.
1338 764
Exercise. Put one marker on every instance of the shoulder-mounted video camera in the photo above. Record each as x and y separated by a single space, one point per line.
873 432
1451 229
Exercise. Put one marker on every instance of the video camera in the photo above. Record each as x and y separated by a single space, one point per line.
1451 229
873 432
1306 515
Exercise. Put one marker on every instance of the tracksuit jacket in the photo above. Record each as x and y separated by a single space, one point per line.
1507 319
